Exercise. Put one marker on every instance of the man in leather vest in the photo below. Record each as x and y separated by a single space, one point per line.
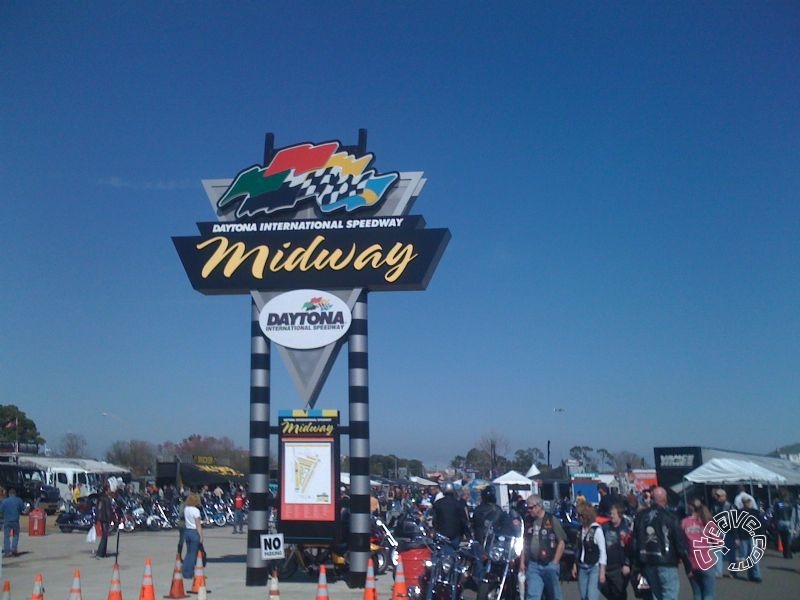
659 545
541 559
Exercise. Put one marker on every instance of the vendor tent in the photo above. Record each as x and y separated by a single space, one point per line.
513 481
728 470
533 471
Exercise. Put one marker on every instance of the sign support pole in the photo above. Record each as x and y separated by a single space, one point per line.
358 373
257 567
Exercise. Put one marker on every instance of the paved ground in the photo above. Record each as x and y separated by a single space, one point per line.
56 555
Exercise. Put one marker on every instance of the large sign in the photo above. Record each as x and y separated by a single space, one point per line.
308 450
316 216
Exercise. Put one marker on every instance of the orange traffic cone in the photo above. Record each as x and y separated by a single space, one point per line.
115 591
780 545
370 592
176 589
75 592
147 591
6 590
199 580
274 594
322 584
38 588
400 589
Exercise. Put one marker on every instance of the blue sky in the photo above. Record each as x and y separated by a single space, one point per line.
620 180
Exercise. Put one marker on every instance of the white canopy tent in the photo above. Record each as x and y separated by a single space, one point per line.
533 471
728 470
515 481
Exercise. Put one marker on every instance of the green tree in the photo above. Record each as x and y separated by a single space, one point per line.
480 461
17 427
606 458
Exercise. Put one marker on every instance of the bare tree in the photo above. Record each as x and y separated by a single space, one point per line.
624 460
73 445
138 456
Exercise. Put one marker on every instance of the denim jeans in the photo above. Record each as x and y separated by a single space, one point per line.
192 539
588 577
7 529
704 584
541 577
664 582
745 548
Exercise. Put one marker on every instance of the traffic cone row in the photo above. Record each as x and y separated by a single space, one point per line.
75 591
322 584
6 590
370 591
147 591
115 591
176 590
38 588
400 589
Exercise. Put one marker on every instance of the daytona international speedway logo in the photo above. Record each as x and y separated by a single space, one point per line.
305 319
332 179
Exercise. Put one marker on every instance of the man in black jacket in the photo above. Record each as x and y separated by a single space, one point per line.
659 543
449 517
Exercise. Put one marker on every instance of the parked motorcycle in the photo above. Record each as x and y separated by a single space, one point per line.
445 572
500 565
81 519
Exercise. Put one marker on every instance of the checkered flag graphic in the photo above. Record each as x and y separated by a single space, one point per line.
328 185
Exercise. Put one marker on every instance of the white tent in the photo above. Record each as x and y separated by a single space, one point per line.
513 481
729 470
533 471
513 478
421 480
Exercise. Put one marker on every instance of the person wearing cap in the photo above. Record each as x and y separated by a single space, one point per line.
544 545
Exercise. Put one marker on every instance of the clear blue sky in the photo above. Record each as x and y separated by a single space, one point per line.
621 181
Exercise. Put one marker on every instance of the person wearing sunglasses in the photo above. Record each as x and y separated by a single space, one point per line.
544 545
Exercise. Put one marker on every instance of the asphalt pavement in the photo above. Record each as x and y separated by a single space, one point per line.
57 555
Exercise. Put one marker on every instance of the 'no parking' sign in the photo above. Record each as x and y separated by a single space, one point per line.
272 546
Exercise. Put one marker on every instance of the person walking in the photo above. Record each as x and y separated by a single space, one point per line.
541 558
105 515
784 519
193 535
619 546
659 544
11 508
703 580
745 533
590 558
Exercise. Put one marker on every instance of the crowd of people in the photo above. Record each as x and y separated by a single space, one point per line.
633 543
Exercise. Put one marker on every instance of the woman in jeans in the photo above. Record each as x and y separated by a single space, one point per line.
590 556
703 580
193 536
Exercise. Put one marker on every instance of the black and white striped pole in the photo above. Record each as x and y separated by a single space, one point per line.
257 569
358 378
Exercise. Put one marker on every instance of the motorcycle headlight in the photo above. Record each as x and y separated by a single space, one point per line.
517 545
447 564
